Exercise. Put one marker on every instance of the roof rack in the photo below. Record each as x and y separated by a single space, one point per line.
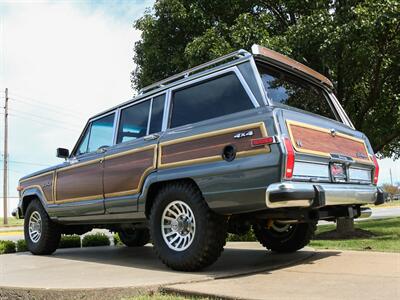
234 55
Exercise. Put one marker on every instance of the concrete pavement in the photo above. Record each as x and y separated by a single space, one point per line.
116 272
327 275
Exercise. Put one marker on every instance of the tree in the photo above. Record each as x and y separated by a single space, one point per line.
356 43
391 190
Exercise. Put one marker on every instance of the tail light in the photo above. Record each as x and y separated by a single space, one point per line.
376 171
289 163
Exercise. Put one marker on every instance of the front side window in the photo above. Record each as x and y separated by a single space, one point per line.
214 98
284 88
98 134
133 122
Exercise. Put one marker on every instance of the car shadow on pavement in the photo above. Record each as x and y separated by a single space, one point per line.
237 259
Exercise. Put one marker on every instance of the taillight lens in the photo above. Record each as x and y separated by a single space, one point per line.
289 164
376 172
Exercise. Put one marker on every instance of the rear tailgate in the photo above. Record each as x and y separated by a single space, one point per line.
326 150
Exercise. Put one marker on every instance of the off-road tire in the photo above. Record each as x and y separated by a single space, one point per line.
210 233
50 233
296 238
134 237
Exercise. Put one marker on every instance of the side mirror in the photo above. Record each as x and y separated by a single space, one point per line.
62 153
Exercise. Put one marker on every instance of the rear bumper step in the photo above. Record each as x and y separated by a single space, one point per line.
301 194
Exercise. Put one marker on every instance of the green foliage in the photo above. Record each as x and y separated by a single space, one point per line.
117 240
70 241
248 237
94 240
355 43
7 247
21 246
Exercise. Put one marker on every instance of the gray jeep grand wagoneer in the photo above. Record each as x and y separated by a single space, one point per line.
249 140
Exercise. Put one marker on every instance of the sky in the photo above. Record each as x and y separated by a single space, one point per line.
62 62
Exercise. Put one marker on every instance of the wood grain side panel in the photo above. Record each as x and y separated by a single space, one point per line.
80 183
210 146
44 183
312 140
124 174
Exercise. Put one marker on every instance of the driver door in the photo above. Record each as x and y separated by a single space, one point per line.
79 185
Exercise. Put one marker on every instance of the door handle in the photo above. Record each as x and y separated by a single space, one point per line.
101 160
151 137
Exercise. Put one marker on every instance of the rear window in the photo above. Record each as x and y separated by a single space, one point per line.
283 88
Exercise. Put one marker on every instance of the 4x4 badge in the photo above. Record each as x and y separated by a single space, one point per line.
243 134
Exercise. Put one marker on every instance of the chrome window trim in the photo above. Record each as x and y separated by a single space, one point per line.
345 118
233 69
133 104
260 85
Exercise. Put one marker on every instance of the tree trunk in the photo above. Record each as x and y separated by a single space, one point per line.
344 225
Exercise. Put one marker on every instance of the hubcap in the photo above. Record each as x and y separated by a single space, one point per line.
178 225
35 227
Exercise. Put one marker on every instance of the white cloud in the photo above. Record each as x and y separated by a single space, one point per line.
66 55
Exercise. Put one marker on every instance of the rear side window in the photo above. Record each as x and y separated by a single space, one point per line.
157 111
284 88
133 122
214 98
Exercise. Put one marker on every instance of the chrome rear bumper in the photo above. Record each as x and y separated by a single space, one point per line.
304 194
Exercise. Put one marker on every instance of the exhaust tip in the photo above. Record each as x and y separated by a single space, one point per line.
366 212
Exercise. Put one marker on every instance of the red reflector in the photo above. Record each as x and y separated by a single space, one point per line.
376 172
262 141
289 164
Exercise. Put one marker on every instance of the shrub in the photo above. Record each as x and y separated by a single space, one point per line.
21 246
7 247
117 240
94 240
248 237
70 241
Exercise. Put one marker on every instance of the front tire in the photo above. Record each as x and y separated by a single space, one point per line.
42 236
134 237
284 238
186 234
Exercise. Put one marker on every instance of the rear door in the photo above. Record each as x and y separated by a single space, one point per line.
134 155
326 148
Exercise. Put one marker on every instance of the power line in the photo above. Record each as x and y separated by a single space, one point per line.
49 108
41 117
27 163
38 102
42 123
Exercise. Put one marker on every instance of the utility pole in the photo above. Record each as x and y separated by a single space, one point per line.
5 168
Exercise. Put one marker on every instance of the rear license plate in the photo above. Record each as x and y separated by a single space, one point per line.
338 172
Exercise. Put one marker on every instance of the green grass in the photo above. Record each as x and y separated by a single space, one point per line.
387 237
12 222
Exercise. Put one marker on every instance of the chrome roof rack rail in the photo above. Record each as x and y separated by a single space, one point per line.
234 55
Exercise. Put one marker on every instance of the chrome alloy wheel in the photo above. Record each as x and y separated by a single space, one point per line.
178 225
35 227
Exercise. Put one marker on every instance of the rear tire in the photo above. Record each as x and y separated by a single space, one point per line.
42 236
134 237
284 238
186 234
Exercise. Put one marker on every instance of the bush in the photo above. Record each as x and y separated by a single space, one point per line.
21 246
248 237
117 240
7 247
94 240
70 241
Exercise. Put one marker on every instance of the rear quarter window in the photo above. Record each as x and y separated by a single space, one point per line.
210 99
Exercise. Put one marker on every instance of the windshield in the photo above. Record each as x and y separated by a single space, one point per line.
284 88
